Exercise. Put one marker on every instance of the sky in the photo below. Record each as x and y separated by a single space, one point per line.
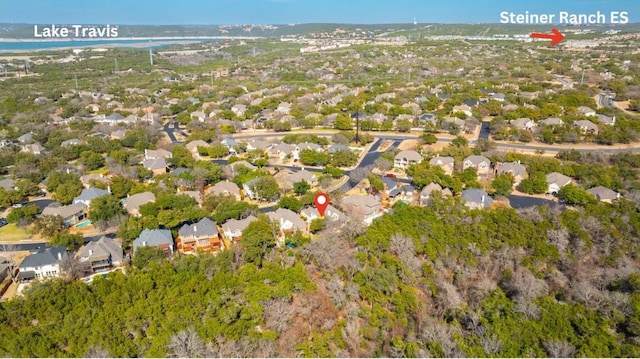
223 12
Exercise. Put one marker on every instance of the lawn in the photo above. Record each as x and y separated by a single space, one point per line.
12 233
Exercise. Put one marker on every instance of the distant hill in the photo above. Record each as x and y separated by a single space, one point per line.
25 31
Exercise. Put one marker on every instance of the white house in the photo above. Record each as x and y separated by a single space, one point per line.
45 263
406 158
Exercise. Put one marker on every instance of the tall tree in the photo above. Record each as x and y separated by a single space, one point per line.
257 239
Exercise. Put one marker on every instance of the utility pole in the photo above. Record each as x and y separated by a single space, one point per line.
75 78
582 77
150 57
116 65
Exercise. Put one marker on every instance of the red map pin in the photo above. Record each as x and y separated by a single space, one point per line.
322 201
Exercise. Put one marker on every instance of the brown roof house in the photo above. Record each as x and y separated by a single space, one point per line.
516 169
428 191
288 221
132 203
367 208
225 188
201 236
103 254
406 158
481 164
71 214
447 163
232 229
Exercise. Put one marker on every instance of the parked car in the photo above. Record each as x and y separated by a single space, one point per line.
3 222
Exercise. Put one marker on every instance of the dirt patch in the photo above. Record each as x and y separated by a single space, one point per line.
385 145
408 145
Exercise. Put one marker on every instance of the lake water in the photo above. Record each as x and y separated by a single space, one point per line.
53 45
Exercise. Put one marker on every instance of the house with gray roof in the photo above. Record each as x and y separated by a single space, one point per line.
102 255
132 203
8 184
586 127
331 213
71 214
26 138
89 194
587 111
406 158
160 238
555 181
259 145
302 176
603 194
552 121
193 146
516 169
72 142
232 229
282 150
200 236
523 123
475 198
44 263
156 165
156 154
609 121
34 149
93 177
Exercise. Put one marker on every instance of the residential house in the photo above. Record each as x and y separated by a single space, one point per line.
428 120
89 194
464 108
201 236
445 162
225 188
156 154
8 184
232 229
193 146
103 254
523 123
230 143
516 169
282 150
235 167
509 107
609 121
26 138
160 238
529 95
302 176
71 214
200 116
406 158
239 109
132 203
158 165
587 111
405 193
288 221
604 194
196 195
258 145
449 121
308 146
475 198
481 164
34 149
331 213
498 97
118 134
390 184
427 193
45 263
552 121
586 127
555 181
72 142
367 208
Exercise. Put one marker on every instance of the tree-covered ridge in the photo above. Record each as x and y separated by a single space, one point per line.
430 281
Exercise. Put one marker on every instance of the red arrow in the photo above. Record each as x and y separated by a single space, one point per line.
555 38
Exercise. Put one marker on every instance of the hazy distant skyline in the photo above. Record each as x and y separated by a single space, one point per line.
224 12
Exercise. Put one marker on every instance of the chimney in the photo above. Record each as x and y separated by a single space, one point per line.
59 256
90 252
144 243
109 189
482 199
195 229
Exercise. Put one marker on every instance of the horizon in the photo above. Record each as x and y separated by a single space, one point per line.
289 12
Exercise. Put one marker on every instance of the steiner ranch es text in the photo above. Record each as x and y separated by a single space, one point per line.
75 31
564 17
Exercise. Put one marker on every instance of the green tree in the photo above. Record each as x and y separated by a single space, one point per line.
459 141
66 192
290 202
71 241
105 208
535 184
93 161
503 184
147 254
343 158
218 151
314 158
121 186
301 187
376 182
429 138
181 157
48 225
343 122
266 188
403 125
257 240
317 225
575 195
26 213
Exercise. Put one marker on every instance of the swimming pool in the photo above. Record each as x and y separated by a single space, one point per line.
83 224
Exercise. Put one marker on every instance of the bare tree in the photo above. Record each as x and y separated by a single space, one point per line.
97 351
491 344
335 289
72 268
277 314
10 252
584 292
559 349
383 164
525 285
560 239
187 344
360 173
